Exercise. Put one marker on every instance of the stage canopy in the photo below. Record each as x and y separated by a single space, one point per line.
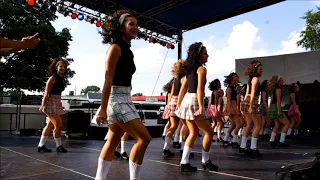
168 19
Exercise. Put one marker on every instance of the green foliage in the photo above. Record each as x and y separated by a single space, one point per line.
137 94
311 35
90 89
28 70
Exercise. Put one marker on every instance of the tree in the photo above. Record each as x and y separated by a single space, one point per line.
137 94
90 89
311 35
28 70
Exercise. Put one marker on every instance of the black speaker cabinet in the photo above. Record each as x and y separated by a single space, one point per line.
76 122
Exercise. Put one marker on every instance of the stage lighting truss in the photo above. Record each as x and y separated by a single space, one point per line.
76 11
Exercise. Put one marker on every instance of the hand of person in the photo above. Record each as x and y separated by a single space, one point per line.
177 106
42 108
250 110
199 112
30 41
101 117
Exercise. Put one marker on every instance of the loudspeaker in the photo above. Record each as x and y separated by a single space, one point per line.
305 171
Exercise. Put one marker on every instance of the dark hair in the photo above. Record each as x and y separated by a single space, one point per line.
53 68
264 85
292 87
192 61
229 78
250 71
111 28
167 87
213 85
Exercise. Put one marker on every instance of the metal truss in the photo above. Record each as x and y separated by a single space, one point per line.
164 7
148 25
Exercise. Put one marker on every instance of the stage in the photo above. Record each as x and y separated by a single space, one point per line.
20 160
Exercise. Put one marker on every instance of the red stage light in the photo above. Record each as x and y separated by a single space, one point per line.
150 40
74 15
98 23
31 2
169 46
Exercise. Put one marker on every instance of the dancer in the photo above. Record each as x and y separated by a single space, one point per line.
124 139
52 105
276 113
264 110
213 110
231 110
117 107
239 101
192 109
178 72
167 88
250 108
294 111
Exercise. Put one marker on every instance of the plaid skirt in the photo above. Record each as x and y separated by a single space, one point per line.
273 114
262 110
170 108
233 109
120 106
212 111
244 106
54 105
188 107
294 111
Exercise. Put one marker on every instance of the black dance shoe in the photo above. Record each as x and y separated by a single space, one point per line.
187 168
61 149
44 149
124 156
208 165
168 153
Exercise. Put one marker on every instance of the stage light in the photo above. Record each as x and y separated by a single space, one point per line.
172 46
169 46
74 15
150 40
164 44
53 8
92 20
80 17
98 23
87 18
45 6
31 2
154 41
66 13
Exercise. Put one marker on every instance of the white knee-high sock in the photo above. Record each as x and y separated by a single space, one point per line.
283 137
43 140
167 143
134 170
180 139
182 145
226 136
185 155
273 137
218 134
123 147
244 142
289 131
103 169
235 139
296 132
58 141
205 156
164 131
254 143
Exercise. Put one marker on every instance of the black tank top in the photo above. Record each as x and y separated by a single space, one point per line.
261 99
177 86
258 89
274 96
297 99
58 87
125 67
192 79
233 93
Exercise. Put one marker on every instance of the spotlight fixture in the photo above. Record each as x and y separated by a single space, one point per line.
80 16
98 23
45 6
74 15
31 2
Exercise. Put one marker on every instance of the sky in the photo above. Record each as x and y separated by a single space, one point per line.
269 31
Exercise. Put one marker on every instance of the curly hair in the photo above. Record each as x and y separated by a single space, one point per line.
250 71
194 51
213 85
167 87
178 69
292 87
273 83
53 66
111 28
229 78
